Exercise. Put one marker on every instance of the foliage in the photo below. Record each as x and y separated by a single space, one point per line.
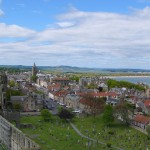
34 78
65 114
92 86
121 111
148 130
46 115
11 83
76 78
96 105
120 84
11 92
108 117
64 137
17 106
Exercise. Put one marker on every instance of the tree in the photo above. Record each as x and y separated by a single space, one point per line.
108 117
34 78
121 111
17 106
65 114
46 115
11 92
94 104
148 130
11 83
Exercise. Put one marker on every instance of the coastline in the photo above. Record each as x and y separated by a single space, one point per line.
128 76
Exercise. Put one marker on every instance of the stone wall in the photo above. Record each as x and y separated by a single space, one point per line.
13 138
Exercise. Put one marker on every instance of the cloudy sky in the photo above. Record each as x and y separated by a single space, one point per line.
84 33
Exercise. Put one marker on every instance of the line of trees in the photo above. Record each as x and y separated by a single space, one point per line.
120 84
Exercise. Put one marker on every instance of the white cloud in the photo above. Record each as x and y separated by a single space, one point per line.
92 39
1 13
14 31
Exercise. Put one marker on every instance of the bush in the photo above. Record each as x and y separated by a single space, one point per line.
108 145
111 132
46 115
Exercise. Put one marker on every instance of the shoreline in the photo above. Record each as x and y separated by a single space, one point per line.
128 76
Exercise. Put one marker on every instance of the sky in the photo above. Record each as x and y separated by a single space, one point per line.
82 33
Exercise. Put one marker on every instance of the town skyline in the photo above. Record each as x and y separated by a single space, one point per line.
93 34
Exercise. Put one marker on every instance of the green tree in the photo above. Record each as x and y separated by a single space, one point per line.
11 83
17 106
108 117
11 92
113 83
65 114
46 115
34 78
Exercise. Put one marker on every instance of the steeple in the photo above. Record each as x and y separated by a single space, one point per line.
34 70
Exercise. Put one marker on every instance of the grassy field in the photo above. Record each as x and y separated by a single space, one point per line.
118 134
58 135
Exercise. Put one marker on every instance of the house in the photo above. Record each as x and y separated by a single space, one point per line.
141 121
27 103
64 81
112 101
72 101
147 106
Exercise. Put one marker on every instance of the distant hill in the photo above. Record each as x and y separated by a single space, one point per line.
77 69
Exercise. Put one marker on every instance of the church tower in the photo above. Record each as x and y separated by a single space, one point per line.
34 70
3 89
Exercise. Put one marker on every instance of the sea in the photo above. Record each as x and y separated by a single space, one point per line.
133 79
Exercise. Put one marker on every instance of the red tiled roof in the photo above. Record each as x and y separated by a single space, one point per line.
51 87
104 94
61 78
61 93
142 119
147 103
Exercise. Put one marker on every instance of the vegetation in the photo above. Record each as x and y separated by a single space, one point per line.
59 135
65 114
108 117
120 84
92 86
96 105
76 78
46 115
11 83
17 106
122 111
34 78
148 130
11 92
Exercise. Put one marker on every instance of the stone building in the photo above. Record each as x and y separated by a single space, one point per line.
34 70
3 89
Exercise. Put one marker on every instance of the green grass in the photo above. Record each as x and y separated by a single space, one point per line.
117 134
59 135
56 135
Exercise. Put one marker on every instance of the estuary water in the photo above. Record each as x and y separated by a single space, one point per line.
134 79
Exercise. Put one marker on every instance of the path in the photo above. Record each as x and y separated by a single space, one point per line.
79 133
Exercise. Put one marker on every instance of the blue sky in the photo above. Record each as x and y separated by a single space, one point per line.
84 33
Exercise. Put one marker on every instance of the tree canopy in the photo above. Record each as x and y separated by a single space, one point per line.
120 84
65 114
108 117
46 115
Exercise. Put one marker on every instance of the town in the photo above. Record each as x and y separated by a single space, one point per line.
30 93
